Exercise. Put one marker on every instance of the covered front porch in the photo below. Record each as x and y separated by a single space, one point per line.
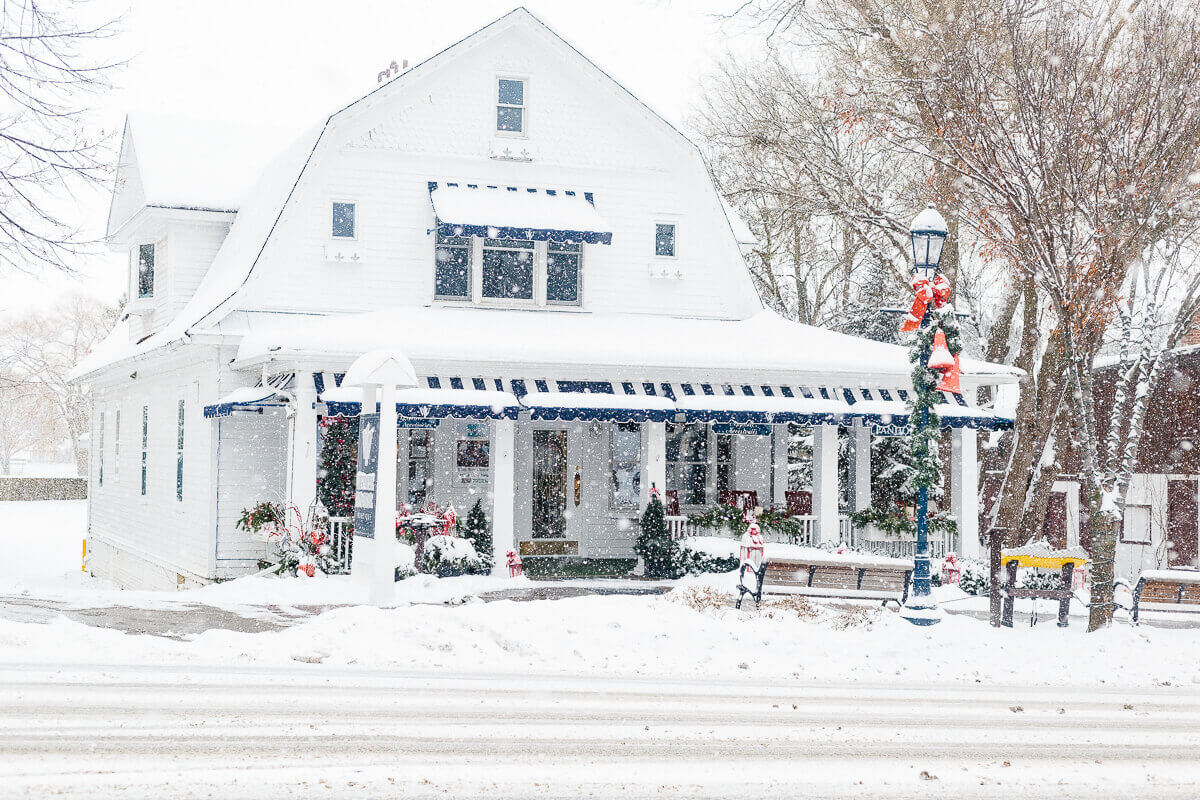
563 467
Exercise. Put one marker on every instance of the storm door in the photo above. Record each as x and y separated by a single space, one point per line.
549 484
1182 524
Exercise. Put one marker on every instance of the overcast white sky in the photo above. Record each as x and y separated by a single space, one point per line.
292 62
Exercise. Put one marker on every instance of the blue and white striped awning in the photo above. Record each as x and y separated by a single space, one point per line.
511 212
252 398
625 401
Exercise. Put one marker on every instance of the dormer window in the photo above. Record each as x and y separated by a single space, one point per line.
145 272
343 221
510 106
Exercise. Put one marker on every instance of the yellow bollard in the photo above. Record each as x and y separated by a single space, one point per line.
84 565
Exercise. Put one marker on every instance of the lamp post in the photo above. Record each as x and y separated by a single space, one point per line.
928 233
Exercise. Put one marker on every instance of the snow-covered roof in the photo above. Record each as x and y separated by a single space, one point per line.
765 346
741 231
200 163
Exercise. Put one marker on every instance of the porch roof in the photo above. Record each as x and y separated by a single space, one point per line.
429 403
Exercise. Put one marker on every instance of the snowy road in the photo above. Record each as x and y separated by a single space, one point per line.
323 731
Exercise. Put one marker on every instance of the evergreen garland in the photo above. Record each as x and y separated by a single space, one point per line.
339 462
924 467
658 551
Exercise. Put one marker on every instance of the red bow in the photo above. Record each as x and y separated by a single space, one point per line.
937 290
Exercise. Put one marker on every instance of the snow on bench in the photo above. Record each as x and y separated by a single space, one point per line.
1166 590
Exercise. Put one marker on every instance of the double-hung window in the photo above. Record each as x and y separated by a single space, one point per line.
452 267
508 269
179 456
420 473
510 106
563 263
687 462
145 271
626 464
344 223
100 459
724 461
145 443
116 467
664 239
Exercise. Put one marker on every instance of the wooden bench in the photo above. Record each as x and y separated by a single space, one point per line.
836 576
1167 587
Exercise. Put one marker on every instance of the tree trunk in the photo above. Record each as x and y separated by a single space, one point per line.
1104 554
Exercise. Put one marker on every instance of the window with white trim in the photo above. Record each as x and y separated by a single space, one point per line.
145 271
420 466
626 464
452 267
100 459
510 106
145 444
116 467
664 239
687 462
508 269
344 222
1136 528
179 455
564 264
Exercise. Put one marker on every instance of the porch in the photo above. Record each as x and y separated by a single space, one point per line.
565 473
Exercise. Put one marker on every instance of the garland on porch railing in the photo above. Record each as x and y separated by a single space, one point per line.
732 517
339 460
924 433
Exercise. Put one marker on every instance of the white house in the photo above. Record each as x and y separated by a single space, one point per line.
554 260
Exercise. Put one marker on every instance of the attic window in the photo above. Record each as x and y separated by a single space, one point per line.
343 221
145 273
510 106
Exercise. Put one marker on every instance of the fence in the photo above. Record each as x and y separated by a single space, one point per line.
26 488
341 542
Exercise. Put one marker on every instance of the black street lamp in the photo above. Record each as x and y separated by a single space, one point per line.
928 232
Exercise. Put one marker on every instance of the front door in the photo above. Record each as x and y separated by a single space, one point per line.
549 484
1182 523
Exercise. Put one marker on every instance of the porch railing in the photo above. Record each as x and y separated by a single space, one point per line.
900 548
341 542
680 527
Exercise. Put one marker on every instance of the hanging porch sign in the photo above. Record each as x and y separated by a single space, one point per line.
890 430
742 429
364 482
417 424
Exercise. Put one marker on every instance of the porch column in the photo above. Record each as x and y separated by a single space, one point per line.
383 586
964 490
780 436
303 482
655 462
504 536
860 469
825 483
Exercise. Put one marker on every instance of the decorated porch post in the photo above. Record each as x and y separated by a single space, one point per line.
504 536
303 469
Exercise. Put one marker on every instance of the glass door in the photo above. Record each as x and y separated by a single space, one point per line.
549 484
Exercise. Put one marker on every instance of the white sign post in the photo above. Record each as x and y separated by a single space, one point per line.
374 556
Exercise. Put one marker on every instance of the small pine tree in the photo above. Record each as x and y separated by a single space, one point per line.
475 530
339 461
654 544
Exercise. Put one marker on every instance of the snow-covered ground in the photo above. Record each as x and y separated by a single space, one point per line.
671 695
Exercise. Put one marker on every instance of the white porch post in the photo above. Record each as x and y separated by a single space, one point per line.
861 469
504 534
303 483
825 483
383 586
655 461
964 490
779 464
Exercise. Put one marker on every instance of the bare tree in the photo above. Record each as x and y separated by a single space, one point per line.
24 424
50 64
1077 132
39 350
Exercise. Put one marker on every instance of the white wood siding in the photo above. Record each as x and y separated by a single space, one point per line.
251 467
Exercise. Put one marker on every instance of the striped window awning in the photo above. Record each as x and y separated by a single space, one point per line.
511 212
